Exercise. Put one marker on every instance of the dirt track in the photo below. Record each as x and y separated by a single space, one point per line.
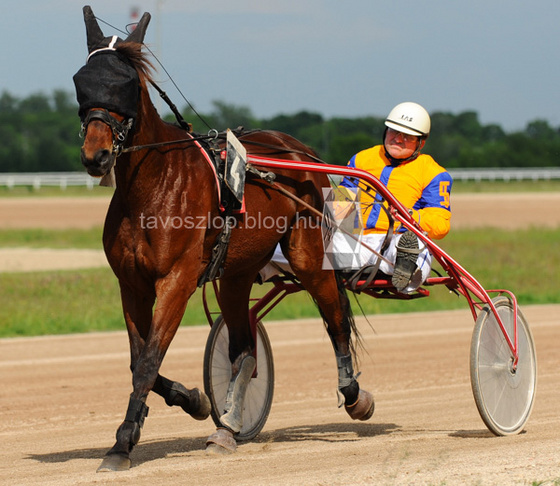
497 210
62 399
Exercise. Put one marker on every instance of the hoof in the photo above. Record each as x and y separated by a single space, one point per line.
221 442
114 463
205 406
194 402
363 408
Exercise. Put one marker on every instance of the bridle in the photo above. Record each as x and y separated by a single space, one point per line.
118 129
120 132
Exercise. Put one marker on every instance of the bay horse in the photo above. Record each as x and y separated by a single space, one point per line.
161 172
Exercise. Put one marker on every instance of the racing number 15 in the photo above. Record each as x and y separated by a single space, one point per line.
444 193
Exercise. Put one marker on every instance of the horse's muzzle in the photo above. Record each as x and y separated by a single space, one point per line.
101 163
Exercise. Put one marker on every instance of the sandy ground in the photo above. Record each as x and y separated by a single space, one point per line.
53 212
27 259
63 397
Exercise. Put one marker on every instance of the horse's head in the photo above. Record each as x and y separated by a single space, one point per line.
107 89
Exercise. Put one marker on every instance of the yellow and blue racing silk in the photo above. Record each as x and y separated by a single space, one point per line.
420 184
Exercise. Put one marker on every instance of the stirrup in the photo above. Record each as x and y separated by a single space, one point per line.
366 274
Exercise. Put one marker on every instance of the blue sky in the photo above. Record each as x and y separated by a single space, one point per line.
360 57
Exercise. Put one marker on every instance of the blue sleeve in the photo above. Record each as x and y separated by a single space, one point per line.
437 192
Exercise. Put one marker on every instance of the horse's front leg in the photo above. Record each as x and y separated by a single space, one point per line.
137 311
194 402
234 300
150 337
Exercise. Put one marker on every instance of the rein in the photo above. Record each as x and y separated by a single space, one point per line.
281 149
214 136
136 148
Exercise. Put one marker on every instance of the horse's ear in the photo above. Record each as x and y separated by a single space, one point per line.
93 31
139 32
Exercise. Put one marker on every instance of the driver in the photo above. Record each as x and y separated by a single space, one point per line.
417 181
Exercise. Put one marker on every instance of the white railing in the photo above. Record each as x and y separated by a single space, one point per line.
40 179
66 179
507 175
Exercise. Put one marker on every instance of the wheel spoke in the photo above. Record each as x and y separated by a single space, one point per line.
504 398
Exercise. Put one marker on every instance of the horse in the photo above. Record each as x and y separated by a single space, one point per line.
162 173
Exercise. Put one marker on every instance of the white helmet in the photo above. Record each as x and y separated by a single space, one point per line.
409 118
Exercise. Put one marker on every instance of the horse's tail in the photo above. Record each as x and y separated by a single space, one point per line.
348 323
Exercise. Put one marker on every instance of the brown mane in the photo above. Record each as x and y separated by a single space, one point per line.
139 60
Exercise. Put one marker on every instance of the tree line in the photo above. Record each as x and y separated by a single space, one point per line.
40 133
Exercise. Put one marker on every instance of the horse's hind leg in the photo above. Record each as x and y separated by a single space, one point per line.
330 296
358 403
234 300
194 402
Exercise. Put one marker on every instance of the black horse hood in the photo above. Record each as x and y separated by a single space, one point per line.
107 81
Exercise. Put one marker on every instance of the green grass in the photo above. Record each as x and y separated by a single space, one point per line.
41 303
53 191
43 238
44 303
548 482
501 186
526 262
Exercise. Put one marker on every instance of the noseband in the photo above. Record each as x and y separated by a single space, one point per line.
119 129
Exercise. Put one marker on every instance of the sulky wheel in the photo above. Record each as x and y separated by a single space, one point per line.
217 375
504 396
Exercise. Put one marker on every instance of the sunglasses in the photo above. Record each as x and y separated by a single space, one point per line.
407 138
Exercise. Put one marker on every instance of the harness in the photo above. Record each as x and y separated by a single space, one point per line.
120 129
229 203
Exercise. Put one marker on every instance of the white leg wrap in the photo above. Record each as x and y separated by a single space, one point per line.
233 416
